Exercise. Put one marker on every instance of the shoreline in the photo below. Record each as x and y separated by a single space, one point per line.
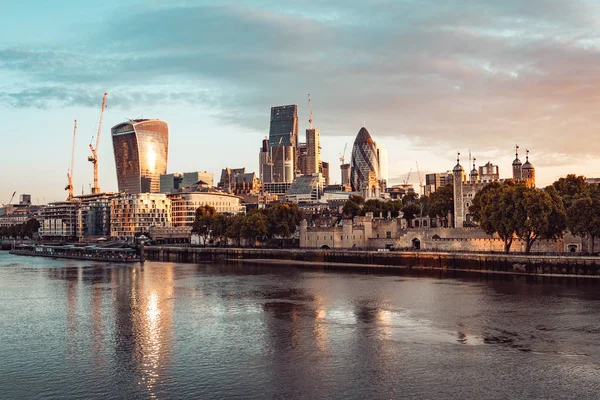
391 268
486 263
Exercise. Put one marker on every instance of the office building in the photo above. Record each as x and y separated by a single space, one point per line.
141 149
135 214
324 170
345 170
283 142
264 161
313 151
185 204
364 173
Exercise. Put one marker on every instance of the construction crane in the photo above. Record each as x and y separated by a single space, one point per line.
407 177
94 157
69 186
421 193
343 154
310 120
11 198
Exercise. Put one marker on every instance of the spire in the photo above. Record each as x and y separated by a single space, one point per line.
516 151
527 156
474 163
310 120
458 167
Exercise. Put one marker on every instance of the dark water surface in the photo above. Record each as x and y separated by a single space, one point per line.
75 330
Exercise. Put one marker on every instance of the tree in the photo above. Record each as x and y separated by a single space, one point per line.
583 217
255 227
283 219
205 217
537 215
494 208
218 226
234 228
353 206
571 188
441 203
410 211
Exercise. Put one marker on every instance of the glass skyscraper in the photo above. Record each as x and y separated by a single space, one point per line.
284 126
141 150
365 164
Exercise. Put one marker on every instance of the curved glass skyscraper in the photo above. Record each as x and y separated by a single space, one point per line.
365 163
141 149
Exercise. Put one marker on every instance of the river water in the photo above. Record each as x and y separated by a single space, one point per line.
79 330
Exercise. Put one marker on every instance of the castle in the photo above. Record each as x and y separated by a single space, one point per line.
467 186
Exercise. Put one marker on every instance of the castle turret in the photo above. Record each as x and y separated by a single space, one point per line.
474 175
459 175
517 166
528 172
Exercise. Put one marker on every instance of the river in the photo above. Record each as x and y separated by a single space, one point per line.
79 330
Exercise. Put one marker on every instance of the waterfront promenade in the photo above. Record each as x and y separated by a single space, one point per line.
487 263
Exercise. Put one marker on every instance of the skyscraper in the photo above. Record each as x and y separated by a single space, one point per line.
313 151
284 126
365 164
141 150
283 142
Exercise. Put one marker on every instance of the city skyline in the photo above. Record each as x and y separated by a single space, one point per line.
496 76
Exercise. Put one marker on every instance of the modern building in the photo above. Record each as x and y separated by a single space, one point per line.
313 152
324 170
283 129
435 181
184 205
346 177
283 142
134 214
93 215
58 221
306 188
141 149
364 173
171 183
264 160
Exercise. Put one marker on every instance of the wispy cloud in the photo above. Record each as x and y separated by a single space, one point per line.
467 74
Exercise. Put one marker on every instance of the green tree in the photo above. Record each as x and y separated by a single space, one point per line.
353 206
537 215
205 217
494 208
410 211
234 228
255 227
283 219
583 217
571 188
441 203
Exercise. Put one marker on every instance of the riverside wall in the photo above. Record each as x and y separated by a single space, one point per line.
324 259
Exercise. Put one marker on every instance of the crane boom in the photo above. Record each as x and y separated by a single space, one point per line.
69 186
407 177
94 157
421 193
343 154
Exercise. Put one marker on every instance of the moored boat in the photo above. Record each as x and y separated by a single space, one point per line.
95 253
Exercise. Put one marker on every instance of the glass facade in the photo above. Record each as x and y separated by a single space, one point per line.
141 150
284 126
364 160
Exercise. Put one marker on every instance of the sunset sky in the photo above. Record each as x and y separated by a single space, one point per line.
428 78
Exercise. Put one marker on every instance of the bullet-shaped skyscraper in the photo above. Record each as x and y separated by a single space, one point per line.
141 148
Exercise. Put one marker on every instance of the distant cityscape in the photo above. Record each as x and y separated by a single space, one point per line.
152 200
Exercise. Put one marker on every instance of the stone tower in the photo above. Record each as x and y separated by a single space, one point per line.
458 174
517 166
528 173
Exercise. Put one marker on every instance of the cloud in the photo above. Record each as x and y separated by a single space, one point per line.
442 74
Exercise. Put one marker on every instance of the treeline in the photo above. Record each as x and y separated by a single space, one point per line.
25 230
512 210
256 226
438 205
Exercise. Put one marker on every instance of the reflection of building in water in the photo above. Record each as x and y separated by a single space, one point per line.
144 322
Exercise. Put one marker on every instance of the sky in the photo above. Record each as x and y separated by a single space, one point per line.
428 78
